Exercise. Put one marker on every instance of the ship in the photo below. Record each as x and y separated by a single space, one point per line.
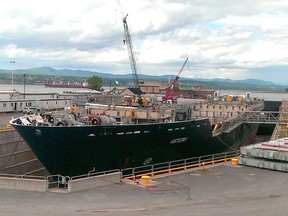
68 85
110 137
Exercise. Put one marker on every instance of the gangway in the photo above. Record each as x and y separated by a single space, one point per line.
253 117
260 117
264 117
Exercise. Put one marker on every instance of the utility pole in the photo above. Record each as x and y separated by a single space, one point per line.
12 62
24 85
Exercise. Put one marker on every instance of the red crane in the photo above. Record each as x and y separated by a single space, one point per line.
169 92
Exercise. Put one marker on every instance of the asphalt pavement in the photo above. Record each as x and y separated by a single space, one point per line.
219 190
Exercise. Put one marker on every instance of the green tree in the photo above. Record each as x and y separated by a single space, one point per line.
95 83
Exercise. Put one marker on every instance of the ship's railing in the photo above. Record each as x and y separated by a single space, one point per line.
178 165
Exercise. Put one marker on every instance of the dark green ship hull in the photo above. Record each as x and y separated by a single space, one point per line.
76 150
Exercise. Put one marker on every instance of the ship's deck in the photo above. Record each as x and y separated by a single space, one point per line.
223 189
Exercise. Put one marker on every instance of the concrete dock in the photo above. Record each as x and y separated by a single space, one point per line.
222 189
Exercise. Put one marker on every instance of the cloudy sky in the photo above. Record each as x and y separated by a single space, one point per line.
235 39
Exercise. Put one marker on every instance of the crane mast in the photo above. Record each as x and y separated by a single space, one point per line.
168 93
128 42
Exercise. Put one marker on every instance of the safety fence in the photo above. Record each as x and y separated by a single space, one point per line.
178 165
92 173
62 182
96 179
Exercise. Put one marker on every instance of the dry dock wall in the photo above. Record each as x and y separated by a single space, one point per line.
94 182
16 157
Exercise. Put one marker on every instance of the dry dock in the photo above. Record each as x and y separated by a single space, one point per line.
222 189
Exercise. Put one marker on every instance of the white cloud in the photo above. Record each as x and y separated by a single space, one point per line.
12 51
221 38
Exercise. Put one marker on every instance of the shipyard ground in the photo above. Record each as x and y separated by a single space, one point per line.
223 189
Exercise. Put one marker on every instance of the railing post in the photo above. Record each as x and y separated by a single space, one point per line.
152 170
185 167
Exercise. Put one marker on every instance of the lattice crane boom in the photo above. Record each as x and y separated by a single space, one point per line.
132 58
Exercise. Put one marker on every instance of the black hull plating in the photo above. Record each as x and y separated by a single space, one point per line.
74 151
77 150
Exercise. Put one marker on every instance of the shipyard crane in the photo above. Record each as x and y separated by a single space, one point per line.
169 92
128 41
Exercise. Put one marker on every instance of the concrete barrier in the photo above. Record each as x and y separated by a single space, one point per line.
94 182
39 185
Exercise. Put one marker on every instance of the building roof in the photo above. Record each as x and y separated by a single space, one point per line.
150 84
135 91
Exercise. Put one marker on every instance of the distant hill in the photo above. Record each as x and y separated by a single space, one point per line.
53 72
245 81
217 82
